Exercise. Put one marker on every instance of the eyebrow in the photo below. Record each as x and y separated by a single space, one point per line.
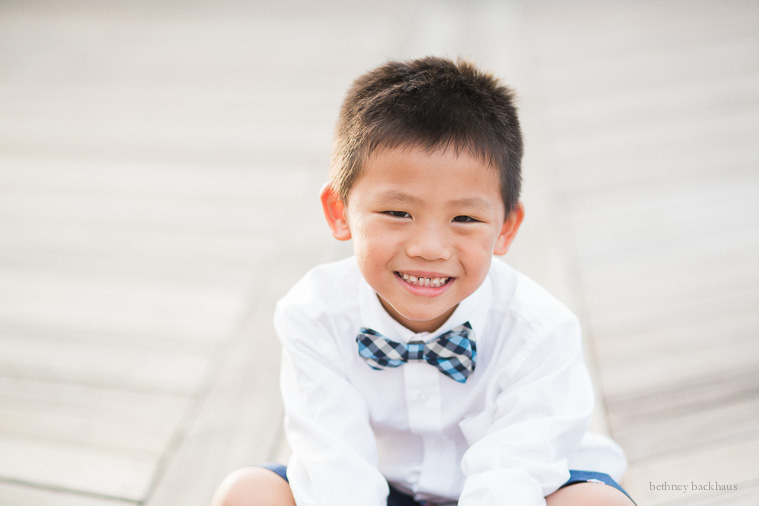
477 203
398 197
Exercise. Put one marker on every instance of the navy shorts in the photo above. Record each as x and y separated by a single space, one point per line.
397 498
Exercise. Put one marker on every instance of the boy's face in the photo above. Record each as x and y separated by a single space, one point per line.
424 227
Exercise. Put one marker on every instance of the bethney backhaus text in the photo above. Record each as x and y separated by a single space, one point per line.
685 487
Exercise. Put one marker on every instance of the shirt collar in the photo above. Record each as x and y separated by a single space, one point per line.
473 309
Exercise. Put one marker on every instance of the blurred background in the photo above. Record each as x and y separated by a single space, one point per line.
159 169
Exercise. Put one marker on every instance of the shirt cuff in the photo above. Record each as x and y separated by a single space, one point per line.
502 486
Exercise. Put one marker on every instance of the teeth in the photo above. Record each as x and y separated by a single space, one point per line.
433 282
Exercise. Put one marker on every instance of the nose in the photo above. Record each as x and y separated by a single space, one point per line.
429 241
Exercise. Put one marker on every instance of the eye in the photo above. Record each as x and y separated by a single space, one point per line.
465 219
397 214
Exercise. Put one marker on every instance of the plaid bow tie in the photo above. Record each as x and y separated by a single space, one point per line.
453 352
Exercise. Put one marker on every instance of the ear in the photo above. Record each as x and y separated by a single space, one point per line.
509 230
334 212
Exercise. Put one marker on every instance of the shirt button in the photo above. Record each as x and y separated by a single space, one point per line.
423 398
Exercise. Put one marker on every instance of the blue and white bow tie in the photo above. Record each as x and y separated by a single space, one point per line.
453 352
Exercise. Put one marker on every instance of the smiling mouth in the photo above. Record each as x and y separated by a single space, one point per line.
421 281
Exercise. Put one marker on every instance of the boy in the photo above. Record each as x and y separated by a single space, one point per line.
419 372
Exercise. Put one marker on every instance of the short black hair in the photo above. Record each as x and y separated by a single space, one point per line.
433 103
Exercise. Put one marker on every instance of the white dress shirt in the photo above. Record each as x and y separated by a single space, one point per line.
506 436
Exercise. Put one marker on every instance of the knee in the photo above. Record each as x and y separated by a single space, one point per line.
588 494
237 488
252 486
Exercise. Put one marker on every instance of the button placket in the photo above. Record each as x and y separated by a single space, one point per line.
422 396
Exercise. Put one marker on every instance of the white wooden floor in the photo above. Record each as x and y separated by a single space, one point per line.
159 166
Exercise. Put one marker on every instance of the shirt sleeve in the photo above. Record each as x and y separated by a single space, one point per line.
334 459
536 418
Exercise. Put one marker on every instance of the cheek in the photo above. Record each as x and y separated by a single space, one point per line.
372 247
375 235
478 244
477 253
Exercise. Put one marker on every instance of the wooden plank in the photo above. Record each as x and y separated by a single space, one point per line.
85 440
172 369
14 494
732 463
171 256
135 193
118 306
678 129
633 309
91 417
238 424
668 359
674 399
658 201
649 66
70 467
731 150
671 215
183 187
238 420
734 326
114 234
571 31
642 318
668 433
635 109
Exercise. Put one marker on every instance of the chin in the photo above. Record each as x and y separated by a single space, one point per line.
422 317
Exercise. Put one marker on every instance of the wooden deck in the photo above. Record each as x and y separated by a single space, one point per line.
159 166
